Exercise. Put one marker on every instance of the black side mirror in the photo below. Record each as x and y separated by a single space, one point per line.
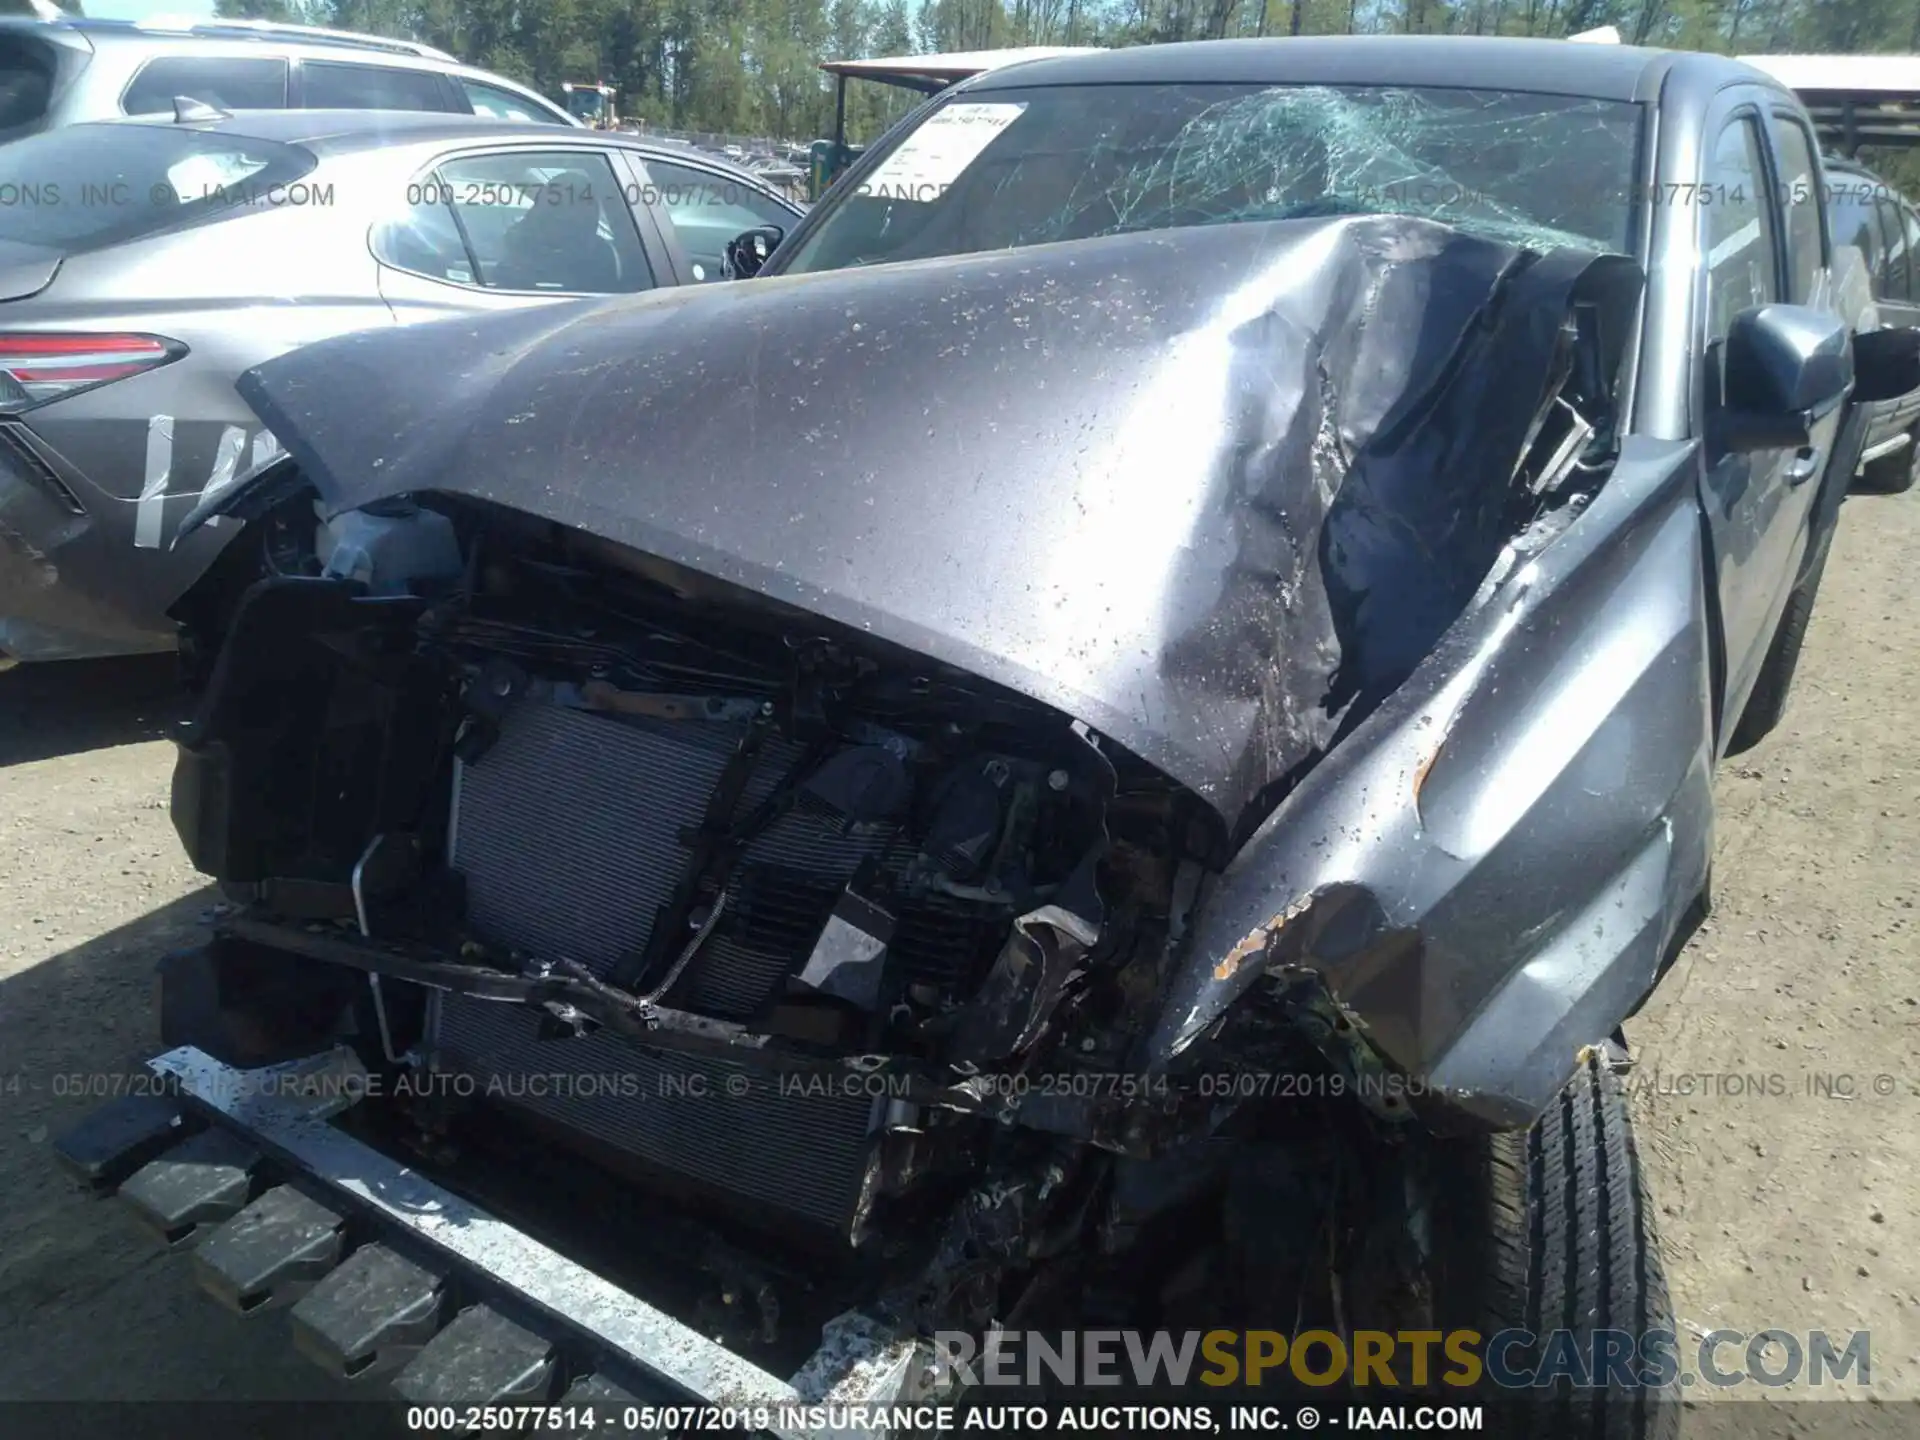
1785 366
747 252
1886 364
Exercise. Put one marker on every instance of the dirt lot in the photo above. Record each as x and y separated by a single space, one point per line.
1784 1202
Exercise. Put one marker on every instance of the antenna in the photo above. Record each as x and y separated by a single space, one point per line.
186 110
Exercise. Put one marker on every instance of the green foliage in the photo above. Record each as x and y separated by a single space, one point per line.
751 66
284 12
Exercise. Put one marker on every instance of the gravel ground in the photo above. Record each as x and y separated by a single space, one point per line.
1776 1088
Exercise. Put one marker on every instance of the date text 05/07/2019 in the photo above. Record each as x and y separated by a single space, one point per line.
890 1419
1093 1084
571 1419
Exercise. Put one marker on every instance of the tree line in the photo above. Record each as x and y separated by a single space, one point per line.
750 67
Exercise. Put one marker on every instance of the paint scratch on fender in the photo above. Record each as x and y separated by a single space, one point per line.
1258 939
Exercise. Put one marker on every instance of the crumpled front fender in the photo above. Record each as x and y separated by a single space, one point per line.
1487 873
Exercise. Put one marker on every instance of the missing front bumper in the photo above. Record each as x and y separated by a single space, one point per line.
299 1214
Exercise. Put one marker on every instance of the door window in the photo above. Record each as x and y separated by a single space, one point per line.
226 84
1891 280
554 221
1739 229
707 209
1800 202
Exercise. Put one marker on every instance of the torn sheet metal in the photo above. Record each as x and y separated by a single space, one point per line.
215 506
1205 490
1473 931
227 461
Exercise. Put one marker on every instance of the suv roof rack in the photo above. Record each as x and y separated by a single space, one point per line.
271 30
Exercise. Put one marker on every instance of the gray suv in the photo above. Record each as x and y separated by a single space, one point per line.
60 72
1866 212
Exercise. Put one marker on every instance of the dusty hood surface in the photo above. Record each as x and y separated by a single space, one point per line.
1205 490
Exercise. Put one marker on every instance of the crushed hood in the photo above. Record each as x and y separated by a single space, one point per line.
1206 490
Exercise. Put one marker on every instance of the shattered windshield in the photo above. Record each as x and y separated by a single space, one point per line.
991 170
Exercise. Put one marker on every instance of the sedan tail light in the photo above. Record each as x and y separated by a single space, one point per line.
36 367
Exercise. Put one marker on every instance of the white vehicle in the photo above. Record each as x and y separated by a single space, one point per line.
63 71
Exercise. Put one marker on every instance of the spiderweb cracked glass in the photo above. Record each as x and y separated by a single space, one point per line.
1509 167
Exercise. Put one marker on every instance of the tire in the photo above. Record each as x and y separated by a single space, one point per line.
1768 702
1552 1230
1891 474
1345 1226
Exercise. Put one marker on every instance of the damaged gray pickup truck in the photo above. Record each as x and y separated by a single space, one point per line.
1108 742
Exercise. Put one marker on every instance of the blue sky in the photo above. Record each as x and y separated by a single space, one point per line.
142 9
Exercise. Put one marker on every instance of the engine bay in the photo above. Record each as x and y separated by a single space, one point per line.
800 937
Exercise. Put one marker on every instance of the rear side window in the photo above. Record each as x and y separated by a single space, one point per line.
503 104
227 84
328 85
1890 281
26 82
1912 228
1801 202
85 186
1852 219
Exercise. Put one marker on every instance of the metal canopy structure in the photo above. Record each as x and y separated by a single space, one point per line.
927 74
1855 100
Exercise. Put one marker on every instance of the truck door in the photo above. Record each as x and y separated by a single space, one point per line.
1756 504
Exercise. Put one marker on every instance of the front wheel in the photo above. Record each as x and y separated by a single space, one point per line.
1395 1240
1544 1242
1550 1233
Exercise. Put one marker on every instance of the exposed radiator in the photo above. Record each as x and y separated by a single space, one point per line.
568 834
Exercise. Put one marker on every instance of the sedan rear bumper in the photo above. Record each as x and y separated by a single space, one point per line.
71 584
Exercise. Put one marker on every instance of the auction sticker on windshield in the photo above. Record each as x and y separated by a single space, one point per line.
932 157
